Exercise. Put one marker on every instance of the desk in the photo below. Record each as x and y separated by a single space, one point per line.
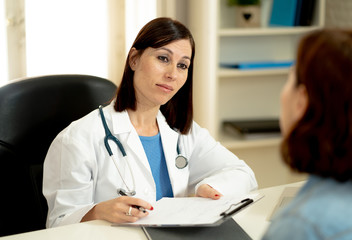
252 219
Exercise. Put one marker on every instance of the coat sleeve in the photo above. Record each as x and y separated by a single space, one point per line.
211 163
68 179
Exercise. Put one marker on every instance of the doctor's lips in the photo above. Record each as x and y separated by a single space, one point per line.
166 87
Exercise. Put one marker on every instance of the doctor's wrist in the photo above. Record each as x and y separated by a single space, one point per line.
92 214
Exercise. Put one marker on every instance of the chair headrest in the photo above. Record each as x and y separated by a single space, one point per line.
34 110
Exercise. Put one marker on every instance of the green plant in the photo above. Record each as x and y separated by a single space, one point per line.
243 2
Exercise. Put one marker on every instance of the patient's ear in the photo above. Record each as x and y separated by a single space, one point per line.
302 101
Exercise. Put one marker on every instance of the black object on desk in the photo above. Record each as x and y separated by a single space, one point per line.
226 231
253 126
225 228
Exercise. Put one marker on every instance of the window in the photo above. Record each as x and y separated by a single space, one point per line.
65 36
69 37
138 13
3 45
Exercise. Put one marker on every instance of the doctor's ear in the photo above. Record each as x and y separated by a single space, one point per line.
133 58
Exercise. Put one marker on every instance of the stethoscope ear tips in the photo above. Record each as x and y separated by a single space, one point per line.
181 162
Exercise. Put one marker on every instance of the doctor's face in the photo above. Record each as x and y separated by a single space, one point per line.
160 72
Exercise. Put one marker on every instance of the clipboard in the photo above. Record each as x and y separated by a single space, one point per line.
228 230
193 211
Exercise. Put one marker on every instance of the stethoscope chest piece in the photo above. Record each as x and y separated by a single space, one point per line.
181 162
123 192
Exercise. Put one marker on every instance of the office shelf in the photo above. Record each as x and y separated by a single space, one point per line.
228 94
235 73
266 31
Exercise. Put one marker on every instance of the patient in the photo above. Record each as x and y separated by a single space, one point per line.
316 123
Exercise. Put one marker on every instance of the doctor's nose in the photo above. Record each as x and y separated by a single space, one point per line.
171 72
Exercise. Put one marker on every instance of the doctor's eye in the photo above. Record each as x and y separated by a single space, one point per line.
183 66
163 59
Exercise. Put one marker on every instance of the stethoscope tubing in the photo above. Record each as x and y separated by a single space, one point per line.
109 136
180 161
130 191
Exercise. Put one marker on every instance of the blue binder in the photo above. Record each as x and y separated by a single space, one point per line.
283 13
258 65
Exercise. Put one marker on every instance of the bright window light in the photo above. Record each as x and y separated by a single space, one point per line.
67 37
3 45
138 13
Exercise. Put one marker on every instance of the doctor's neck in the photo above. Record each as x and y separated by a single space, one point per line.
144 121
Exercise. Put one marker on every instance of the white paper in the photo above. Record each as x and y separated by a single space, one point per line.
190 211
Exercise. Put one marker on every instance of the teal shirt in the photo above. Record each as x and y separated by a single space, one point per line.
155 154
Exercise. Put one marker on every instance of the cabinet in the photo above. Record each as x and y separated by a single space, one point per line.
228 94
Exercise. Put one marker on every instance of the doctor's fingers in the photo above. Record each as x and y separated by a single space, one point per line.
121 213
207 191
128 213
137 202
121 217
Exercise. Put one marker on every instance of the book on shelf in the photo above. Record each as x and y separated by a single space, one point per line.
283 13
258 65
253 128
305 12
298 12
291 13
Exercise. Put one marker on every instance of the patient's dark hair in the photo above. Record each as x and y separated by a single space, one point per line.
321 142
155 34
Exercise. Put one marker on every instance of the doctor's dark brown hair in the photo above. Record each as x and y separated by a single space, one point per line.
159 32
321 142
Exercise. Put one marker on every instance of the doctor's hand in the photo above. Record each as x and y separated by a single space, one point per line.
207 191
119 210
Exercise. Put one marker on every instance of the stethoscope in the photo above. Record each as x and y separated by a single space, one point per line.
180 161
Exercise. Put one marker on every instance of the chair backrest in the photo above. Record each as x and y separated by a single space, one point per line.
32 112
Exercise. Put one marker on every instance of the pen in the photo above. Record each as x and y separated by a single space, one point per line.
122 193
245 202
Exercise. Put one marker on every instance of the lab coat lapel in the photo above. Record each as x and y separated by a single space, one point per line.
135 144
169 138
128 136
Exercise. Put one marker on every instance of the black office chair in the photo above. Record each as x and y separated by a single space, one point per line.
32 112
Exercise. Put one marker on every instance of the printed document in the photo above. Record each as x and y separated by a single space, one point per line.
190 211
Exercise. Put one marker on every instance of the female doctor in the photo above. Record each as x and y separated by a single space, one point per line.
148 124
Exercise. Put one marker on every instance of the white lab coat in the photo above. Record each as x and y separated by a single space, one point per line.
78 172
